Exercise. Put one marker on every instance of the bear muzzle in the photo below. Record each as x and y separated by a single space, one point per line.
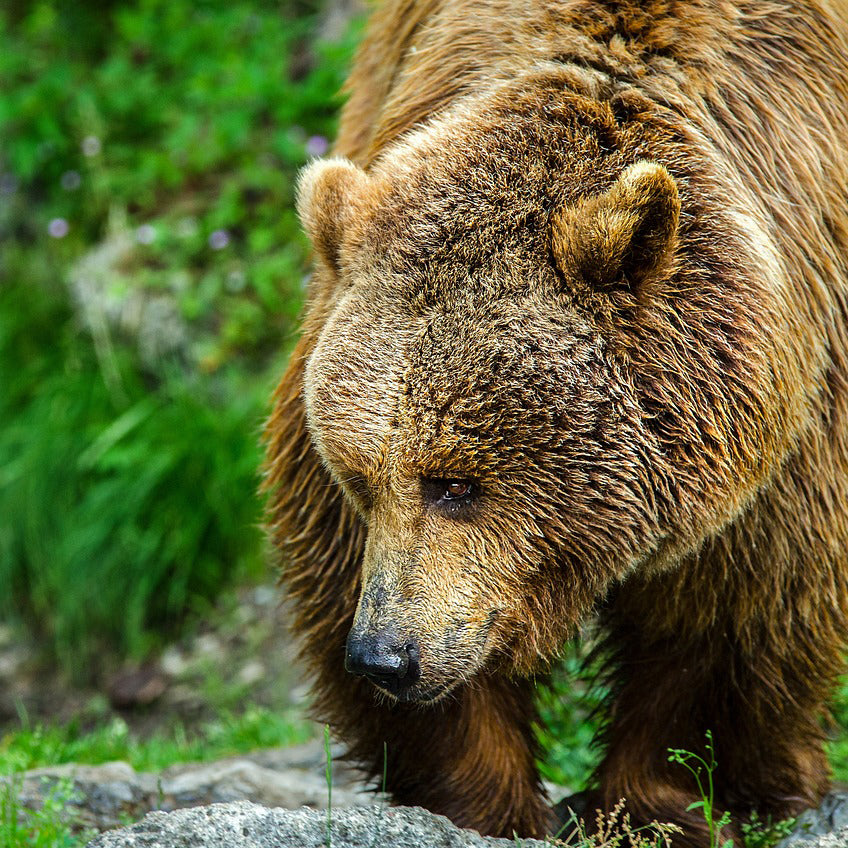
389 662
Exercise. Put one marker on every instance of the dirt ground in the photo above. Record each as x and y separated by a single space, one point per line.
239 654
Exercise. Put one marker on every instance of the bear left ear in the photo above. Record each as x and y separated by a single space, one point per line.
329 195
623 235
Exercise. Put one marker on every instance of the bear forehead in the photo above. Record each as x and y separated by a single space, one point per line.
466 189
446 388
437 232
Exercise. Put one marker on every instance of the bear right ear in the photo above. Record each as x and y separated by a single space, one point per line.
622 236
329 194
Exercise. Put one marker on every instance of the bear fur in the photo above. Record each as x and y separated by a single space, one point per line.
585 263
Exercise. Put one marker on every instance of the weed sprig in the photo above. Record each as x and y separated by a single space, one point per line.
702 769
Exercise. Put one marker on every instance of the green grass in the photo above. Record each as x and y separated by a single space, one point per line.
229 735
120 512
55 826
837 747
128 480
569 757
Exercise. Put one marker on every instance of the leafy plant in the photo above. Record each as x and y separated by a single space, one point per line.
51 826
569 704
702 769
758 833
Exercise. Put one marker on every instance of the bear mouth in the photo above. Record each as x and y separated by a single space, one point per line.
417 694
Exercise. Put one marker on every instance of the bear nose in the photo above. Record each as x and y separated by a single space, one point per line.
388 662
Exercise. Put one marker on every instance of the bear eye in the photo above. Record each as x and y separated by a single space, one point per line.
449 493
456 489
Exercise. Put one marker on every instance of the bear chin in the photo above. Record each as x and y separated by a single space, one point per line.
418 694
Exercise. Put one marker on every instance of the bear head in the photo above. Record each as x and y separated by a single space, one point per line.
466 389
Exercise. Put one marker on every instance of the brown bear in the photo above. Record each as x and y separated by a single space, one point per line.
575 350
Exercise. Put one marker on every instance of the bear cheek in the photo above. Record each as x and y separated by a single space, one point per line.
463 606
347 409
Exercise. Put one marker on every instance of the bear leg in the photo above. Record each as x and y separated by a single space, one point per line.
470 757
767 740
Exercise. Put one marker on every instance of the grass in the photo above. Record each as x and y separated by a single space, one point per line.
255 728
128 459
229 735
120 513
55 824
52 826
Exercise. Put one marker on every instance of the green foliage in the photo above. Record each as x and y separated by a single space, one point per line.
194 119
52 826
568 708
229 734
702 769
837 747
119 512
757 833
169 132
55 826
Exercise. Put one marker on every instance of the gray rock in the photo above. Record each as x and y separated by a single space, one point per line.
820 827
246 825
110 300
838 839
104 796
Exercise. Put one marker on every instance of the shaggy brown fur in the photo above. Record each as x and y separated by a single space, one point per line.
591 255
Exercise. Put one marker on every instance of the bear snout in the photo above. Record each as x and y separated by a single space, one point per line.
387 661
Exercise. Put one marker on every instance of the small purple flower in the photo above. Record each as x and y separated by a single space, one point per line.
145 234
219 239
317 145
8 184
71 180
91 145
58 228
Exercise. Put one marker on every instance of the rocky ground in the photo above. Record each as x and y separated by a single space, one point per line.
239 651
110 795
243 825
239 655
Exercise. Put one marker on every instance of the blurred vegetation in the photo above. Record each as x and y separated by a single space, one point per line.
52 826
151 270
228 735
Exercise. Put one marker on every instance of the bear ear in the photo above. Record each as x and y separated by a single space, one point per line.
329 194
623 235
